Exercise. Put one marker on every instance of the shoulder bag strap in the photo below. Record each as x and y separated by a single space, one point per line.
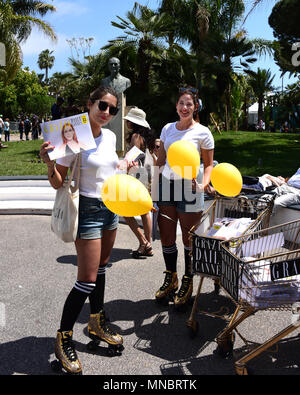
76 165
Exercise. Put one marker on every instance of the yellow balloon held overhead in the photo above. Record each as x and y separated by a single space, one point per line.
126 196
226 179
184 159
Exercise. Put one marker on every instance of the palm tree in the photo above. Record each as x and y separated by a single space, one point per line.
16 21
261 83
144 30
28 13
46 61
255 3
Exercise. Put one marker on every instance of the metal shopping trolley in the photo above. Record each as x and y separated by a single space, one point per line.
206 249
261 271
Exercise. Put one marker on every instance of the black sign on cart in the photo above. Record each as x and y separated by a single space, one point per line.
285 269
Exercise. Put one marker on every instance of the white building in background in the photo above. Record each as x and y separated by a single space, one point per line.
253 114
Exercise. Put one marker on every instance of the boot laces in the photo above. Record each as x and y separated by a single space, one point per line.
68 347
167 281
184 286
104 325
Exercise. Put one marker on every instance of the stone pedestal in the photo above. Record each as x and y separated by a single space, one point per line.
117 124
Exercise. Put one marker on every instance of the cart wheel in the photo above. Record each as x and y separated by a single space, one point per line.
222 352
241 369
92 345
56 366
193 328
225 346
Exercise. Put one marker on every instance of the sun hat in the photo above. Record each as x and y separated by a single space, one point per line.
138 116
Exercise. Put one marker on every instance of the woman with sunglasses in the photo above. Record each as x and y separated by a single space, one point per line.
179 199
97 227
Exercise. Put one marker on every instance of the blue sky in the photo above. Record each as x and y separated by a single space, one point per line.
92 18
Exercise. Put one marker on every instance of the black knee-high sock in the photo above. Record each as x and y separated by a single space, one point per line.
74 304
97 296
187 261
170 254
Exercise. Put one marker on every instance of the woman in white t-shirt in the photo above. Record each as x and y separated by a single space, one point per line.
177 199
97 227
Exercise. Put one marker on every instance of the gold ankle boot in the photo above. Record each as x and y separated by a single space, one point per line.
169 287
66 354
185 292
99 330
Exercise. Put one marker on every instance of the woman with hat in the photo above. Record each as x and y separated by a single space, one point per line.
140 136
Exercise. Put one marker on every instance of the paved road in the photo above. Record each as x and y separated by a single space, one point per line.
37 271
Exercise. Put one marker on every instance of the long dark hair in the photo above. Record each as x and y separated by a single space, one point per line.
102 91
193 92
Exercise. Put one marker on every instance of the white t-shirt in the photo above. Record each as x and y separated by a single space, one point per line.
198 134
294 181
97 164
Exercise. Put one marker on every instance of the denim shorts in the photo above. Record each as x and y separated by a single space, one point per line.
94 218
179 194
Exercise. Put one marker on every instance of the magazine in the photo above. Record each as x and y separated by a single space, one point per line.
134 154
69 135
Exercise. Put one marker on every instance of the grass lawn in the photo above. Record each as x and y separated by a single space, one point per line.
256 153
253 153
21 158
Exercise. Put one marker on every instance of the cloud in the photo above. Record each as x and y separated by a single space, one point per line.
37 42
68 8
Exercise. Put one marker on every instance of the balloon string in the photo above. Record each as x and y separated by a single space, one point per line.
171 219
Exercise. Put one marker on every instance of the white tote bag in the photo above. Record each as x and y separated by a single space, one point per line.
64 219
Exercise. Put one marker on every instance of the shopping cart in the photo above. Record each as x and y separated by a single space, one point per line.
261 271
206 250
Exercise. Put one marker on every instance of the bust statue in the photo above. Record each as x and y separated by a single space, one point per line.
116 80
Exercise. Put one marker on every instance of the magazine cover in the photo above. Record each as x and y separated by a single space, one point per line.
69 135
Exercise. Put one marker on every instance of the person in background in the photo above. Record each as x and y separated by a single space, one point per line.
1 126
177 198
35 128
138 136
71 108
97 229
21 128
27 127
6 129
288 193
56 109
155 149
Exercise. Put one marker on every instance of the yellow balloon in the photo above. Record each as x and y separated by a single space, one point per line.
226 179
184 159
126 196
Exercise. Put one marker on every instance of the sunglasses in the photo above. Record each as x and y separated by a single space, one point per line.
102 105
193 90
157 146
